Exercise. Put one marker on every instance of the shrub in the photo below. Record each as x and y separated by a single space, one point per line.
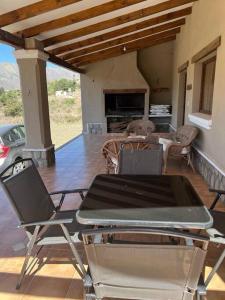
13 108
6 96
69 101
3 98
62 84
2 91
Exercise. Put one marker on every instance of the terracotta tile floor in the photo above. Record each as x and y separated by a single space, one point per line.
76 165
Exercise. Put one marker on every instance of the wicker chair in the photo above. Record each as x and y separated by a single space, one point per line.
111 149
140 127
178 144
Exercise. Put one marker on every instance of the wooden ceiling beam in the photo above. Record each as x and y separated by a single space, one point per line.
122 31
126 39
11 39
145 12
32 10
102 55
125 47
58 61
78 17
19 42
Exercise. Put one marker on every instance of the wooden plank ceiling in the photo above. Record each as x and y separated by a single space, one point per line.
76 33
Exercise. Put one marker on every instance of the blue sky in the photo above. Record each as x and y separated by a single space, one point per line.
6 54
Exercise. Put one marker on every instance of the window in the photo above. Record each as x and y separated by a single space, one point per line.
8 139
207 85
21 131
13 136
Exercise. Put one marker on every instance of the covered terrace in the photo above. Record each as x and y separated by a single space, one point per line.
172 52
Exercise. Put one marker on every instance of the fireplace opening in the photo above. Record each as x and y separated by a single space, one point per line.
124 104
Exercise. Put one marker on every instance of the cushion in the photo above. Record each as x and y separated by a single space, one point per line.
134 136
114 161
166 142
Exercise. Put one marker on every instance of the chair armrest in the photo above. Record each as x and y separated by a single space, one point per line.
48 222
66 192
168 135
126 133
222 192
146 230
219 193
174 148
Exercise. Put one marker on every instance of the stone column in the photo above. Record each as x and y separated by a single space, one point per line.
32 69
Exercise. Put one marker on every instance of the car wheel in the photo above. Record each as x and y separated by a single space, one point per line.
18 167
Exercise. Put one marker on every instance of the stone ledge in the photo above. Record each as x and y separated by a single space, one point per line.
43 157
201 120
214 177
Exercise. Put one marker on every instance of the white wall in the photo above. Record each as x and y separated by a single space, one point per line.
116 73
156 64
206 23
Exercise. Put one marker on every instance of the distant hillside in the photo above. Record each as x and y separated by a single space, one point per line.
9 75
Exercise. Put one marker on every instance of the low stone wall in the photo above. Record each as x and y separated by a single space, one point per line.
212 176
44 158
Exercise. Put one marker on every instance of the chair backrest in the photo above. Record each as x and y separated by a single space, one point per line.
186 134
28 194
140 271
141 158
112 147
141 127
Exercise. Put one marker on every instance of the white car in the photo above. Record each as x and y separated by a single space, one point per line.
12 142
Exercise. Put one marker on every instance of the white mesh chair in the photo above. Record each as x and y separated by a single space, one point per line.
44 223
135 270
217 233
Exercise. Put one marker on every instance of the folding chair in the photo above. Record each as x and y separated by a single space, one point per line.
138 270
44 223
141 158
217 233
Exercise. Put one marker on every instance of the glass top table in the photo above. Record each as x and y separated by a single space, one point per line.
143 200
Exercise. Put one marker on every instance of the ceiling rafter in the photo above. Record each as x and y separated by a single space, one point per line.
137 45
126 46
62 63
122 31
125 39
33 10
19 42
151 25
163 6
78 17
11 39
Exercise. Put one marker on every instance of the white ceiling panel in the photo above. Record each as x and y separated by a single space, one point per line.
10 5
69 9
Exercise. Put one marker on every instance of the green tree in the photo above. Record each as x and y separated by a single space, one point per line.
2 91
61 85
7 95
11 103
13 108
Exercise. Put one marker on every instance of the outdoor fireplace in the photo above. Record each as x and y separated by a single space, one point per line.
123 106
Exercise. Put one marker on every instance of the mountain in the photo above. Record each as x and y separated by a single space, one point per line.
9 75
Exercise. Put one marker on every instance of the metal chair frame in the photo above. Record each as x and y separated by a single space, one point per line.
219 194
219 237
40 227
